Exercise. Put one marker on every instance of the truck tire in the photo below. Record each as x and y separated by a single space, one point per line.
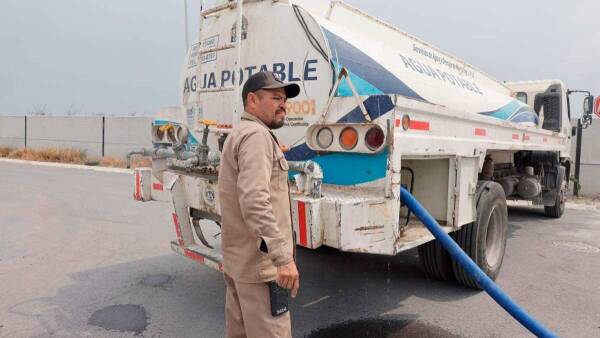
558 209
485 239
435 261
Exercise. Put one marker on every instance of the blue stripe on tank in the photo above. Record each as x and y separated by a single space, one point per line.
366 73
362 87
515 111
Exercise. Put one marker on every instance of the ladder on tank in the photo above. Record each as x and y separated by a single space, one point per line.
237 45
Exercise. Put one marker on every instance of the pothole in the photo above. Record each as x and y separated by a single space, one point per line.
576 246
380 328
124 317
156 280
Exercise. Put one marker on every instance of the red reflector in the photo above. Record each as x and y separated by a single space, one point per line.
302 223
177 229
157 186
194 255
374 138
419 125
480 132
515 136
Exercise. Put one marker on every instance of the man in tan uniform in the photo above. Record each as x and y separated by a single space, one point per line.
257 240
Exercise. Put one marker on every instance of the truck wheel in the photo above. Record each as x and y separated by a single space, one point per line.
485 239
436 262
558 209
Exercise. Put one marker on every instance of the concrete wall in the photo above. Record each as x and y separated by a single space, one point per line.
589 174
66 132
12 131
124 134
121 134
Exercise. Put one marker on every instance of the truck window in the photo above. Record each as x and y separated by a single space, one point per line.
522 96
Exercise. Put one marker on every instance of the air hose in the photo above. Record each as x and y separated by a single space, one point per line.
482 279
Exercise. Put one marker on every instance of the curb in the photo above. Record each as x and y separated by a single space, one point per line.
68 166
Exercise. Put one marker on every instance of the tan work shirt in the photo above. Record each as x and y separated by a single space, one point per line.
255 204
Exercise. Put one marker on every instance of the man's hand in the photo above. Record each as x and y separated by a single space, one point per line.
288 277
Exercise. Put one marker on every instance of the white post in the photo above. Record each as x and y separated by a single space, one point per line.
187 41
238 66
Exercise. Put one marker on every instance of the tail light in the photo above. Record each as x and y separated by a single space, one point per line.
374 138
170 134
324 138
348 138
365 138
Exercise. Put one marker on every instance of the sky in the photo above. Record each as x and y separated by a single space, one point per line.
124 57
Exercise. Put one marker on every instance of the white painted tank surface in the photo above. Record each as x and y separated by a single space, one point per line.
308 42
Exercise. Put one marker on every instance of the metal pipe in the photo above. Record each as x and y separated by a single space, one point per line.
482 279
314 173
162 153
183 164
578 157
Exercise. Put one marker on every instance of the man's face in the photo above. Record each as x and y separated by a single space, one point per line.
269 107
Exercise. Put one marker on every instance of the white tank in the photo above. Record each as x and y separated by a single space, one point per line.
308 42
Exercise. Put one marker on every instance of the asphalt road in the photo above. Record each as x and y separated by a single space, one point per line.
80 258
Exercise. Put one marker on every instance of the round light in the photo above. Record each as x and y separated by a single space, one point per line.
348 138
171 136
158 133
183 134
324 138
405 122
374 138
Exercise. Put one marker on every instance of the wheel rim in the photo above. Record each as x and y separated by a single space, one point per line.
493 240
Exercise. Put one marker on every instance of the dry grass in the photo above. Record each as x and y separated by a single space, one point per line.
68 155
4 151
114 162
136 162
74 156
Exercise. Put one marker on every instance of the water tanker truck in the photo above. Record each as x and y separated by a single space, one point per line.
378 110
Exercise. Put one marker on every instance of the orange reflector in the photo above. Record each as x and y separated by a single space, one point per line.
349 138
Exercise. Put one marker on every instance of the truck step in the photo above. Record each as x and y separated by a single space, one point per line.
231 4
218 48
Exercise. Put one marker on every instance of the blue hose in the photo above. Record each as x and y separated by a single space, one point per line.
482 279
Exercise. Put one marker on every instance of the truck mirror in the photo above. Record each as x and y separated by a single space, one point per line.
588 105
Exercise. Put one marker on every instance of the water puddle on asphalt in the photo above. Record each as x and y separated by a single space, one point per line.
158 280
124 317
381 328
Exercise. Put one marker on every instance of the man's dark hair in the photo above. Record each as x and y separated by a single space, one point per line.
258 93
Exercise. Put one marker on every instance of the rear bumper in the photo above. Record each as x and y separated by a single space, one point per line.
355 220
200 255
351 219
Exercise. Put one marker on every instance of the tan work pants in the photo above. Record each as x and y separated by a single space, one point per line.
248 312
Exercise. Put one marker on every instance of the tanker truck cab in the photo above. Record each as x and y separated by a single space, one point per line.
378 110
